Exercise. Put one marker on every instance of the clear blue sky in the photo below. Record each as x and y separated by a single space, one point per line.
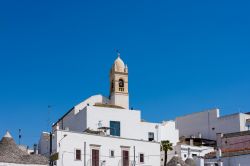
183 57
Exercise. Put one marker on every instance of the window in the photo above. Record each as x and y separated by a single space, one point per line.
78 154
150 136
141 158
194 155
112 154
125 158
121 85
95 157
112 86
115 128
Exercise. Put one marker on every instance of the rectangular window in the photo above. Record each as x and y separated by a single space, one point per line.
150 136
125 158
95 157
141 158
112 153
78 154
194 155
115 128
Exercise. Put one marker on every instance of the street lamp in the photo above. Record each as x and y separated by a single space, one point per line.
65 135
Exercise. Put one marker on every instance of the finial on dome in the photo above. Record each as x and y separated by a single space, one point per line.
118 52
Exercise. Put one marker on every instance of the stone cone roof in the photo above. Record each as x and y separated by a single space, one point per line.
10 153
190 162
176 160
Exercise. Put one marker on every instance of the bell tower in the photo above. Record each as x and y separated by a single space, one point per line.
119 84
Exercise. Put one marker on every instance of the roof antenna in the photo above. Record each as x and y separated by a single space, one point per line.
19 136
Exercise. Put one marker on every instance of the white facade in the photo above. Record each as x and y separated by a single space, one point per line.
71 141
195 151
206 124
131 126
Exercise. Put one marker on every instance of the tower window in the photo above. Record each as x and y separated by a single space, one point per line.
121 85
112 86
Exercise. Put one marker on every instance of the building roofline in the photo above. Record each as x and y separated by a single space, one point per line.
63 116
241 133
208 110
108 136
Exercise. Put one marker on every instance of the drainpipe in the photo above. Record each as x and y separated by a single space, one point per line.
84 154
134 155
50 143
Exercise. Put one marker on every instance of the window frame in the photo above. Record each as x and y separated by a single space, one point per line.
76 149
121 83
117 132
139 157
111 150
150 137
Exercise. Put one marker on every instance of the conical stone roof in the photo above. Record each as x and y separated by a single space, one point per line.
190 162
176 160
10 153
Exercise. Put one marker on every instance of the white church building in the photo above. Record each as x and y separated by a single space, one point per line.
105 131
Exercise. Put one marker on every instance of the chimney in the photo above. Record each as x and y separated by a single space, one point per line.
218 153
35 148
191 142
199 135
219 137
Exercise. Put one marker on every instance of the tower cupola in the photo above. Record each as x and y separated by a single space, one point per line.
119 83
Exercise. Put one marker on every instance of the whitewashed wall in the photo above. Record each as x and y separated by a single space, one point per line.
74 140
208 123
90 116
129 120
169 132
75 119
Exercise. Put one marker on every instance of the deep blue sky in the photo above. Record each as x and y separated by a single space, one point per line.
183 57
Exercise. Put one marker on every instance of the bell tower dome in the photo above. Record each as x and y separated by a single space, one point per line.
119 84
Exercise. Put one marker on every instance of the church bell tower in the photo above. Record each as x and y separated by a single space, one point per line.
119 84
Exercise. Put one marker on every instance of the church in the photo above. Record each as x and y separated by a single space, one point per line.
105 131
